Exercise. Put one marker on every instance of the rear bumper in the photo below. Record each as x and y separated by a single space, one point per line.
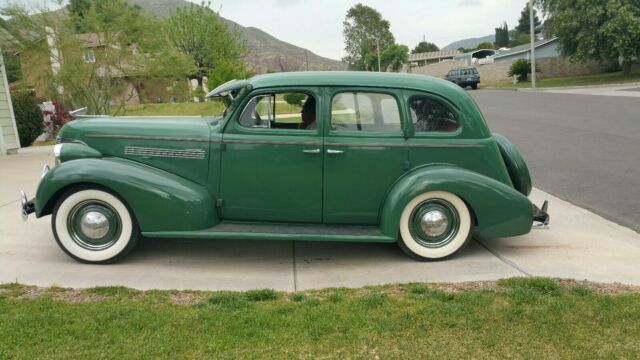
540 215
28 206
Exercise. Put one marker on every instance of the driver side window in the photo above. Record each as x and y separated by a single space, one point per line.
280 111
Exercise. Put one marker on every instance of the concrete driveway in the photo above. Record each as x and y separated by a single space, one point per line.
578 245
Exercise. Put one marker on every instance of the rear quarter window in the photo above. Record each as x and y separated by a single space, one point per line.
431 116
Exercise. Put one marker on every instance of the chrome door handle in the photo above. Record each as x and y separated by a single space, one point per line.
314 151
332 151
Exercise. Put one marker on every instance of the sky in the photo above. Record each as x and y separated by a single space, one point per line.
317 24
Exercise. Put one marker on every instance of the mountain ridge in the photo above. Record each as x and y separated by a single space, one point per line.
470 43
266 52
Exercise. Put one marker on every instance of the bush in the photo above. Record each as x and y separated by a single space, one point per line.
29 120
521 68
294 98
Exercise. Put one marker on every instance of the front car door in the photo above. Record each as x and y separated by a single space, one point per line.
271 169
365 152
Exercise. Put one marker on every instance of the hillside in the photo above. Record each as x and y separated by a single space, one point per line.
266 52
470 43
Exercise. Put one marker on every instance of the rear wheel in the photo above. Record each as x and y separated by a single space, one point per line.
434 225
94 226
474 86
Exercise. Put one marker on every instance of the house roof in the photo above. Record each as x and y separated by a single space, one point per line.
434 55
523 48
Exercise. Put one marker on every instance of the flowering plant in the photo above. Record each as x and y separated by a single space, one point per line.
55 116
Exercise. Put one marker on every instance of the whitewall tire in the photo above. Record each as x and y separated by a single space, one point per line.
434 225
94 226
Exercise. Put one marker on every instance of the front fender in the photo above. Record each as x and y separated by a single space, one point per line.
161 201
500 210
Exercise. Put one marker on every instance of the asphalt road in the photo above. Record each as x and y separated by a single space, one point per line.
582 148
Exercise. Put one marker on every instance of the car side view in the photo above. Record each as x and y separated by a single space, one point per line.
464 77
365 157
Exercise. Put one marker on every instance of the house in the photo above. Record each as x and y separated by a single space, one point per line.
91 48
432 57
476 57
547 48
9 140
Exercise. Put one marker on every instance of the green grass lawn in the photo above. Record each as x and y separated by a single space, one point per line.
208 108
45 143
595 79
515 318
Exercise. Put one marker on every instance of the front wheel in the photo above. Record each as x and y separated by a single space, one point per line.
94 226
434 225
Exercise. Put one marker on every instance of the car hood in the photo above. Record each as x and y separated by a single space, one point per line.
153 127
179 145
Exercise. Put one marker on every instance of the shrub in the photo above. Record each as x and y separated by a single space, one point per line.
294 98
521 68
29 120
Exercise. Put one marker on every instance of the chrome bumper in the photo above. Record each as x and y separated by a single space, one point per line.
28 206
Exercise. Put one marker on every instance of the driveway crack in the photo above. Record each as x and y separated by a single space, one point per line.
503 259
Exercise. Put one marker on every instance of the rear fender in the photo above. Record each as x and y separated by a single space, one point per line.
161 201
499 209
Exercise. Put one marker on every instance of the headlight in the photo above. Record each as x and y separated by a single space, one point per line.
56 152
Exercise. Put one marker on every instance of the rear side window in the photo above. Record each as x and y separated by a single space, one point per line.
429 115
355 111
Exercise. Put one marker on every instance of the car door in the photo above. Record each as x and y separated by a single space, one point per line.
269 172
365 153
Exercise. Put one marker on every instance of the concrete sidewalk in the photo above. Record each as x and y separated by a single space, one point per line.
578 245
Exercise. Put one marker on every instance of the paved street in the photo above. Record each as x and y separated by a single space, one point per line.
582 145
578 245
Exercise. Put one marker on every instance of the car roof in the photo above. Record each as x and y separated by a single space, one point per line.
352 78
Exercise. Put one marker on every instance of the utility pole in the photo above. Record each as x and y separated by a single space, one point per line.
378 46
532 28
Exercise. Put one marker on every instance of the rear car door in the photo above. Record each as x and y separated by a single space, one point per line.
365 152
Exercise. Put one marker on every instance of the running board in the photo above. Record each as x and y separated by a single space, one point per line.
269 231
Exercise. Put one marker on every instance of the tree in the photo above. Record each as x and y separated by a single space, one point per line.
502 36
525 21
605 31
392 58
79 8
125 50
485 45
12 66
425 46
198 32
226 71
364 30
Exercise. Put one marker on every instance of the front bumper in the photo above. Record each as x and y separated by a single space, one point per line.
28 206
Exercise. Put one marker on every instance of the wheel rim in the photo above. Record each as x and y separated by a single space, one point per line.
94 225
434 223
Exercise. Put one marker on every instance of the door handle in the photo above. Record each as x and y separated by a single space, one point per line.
332 151
314 151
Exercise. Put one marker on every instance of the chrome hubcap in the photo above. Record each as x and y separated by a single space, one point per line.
94 225
434 223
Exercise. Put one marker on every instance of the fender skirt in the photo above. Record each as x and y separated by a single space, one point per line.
499 209
160 201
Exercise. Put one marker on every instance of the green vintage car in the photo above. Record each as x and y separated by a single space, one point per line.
321 156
